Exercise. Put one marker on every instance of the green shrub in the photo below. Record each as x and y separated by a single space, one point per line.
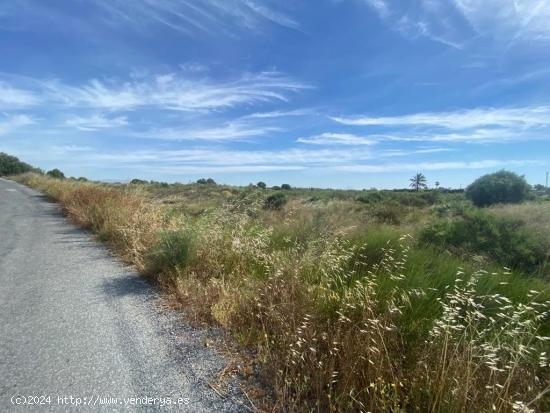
498 187
56 173
504 240
261 185
136 181
275 201
286 187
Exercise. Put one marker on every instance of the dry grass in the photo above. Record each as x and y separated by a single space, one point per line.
342 313
535 215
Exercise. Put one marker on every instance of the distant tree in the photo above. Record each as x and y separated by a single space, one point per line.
204 181
261 185
437 184
418 182
499 187
276 188
56 173
11 165
136 181
286 187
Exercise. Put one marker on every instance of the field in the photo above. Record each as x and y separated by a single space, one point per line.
349 300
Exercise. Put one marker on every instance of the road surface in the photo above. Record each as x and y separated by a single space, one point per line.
76 323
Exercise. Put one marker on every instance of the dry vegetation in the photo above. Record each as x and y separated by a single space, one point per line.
343 307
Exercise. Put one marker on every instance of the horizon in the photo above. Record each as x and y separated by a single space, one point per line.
349 94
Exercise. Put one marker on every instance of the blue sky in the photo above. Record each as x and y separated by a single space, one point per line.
330 93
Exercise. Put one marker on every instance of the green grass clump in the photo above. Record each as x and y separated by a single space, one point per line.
173 252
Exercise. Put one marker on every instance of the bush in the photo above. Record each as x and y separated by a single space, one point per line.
10 165
505 240
275 201
56 173
498 187
261 185
136 181
286 187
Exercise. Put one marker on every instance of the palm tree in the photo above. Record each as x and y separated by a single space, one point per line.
418 181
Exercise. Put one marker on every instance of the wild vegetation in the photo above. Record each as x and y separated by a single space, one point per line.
351 300
11 165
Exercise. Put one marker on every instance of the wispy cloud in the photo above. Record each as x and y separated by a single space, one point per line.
436 20
470 125
508 20
11 123
96 122
190 17
281 113
214 156
195 169
457 23
329 138
461 119
434 166
232 131
173 92
13 98
223 160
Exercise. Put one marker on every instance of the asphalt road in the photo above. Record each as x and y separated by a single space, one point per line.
75 322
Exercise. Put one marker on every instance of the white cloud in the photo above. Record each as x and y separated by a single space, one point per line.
433 19
281 113
519 117
328 138
466 126
64 149
190 17
194 169
13 98
173 92
457 23
233 131
96 122
212 156
380 6
434 166
508 20
11 123
219 156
